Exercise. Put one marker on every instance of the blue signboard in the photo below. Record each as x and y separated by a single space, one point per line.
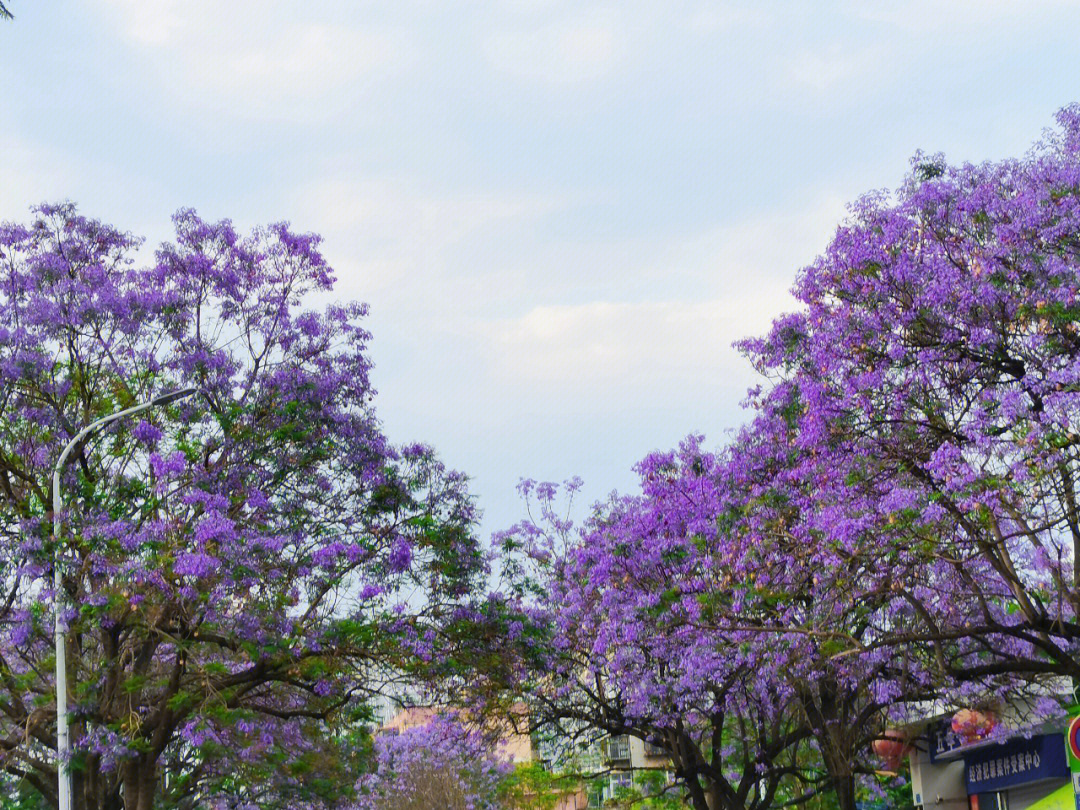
943 740
1015 762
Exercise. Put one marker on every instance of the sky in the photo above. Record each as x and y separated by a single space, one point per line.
562 214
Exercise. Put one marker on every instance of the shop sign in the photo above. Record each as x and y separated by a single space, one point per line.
1015 762
943 740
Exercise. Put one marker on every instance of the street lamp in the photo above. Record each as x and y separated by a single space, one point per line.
63 744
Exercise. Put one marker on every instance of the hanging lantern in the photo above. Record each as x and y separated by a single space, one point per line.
892 746
971 725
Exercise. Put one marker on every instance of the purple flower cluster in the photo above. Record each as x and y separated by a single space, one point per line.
230 560
897 524
442 763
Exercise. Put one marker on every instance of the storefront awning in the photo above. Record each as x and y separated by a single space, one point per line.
1061 799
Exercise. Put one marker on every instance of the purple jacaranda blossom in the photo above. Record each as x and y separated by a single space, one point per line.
400 555
442 763
196 565
147 433
895 526
213 549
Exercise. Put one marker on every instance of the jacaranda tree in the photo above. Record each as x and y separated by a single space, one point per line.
237 566
897 522
811 613
690 618
936 362
629 603
444 763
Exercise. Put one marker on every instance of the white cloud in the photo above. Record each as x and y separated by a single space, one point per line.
619 346
31 175
926 16
252 59
152 24
529 6
579 46
388 233
735 258
738 277
35 173
821 70
711 17
311 60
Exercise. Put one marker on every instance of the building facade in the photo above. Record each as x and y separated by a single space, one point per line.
1021 772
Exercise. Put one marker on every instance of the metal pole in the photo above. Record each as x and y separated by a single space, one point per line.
63 741
63 746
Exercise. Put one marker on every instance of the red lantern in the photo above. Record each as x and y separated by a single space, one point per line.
971 725
892 746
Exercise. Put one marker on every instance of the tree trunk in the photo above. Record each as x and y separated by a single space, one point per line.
89 785
836 755
80 800
845 791
140 783
718 798
698 799
131 785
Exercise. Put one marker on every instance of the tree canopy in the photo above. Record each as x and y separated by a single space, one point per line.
239 566
896 524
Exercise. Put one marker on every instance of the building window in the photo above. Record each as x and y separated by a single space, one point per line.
616 749
623 780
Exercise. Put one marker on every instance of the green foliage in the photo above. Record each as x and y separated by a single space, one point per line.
16 794
530 786
649 792
897 793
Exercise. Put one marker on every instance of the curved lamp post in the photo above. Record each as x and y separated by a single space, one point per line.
63 743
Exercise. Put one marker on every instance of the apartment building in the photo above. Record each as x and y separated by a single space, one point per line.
627 760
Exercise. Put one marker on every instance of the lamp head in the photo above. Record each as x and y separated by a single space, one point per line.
173 396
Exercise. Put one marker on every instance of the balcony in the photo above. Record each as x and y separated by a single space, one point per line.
616 749
654 750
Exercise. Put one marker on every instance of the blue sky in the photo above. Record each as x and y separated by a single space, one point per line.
561 213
